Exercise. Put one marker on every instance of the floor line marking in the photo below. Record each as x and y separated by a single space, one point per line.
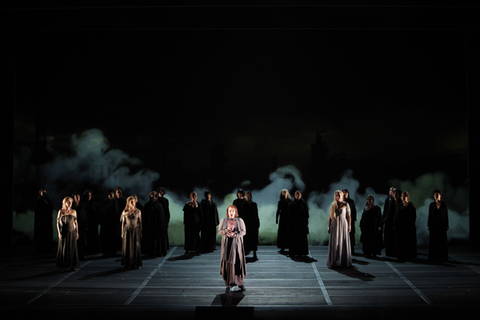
56 283
424 297
320 282
149 277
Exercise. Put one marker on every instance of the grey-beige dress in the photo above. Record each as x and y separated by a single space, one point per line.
339 250
233 266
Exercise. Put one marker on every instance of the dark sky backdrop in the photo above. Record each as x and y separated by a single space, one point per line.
391 103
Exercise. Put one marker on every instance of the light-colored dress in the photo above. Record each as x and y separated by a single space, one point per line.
233 266
339 250
131 242
67 254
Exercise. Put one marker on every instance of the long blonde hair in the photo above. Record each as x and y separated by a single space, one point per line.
127 206
334 207
64 207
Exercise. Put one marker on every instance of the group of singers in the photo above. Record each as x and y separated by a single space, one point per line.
134 229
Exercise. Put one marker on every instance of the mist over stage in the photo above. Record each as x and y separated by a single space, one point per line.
213 103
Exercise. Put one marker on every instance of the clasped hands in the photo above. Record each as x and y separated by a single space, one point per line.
230 232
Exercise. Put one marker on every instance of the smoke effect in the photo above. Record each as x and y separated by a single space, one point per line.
92 162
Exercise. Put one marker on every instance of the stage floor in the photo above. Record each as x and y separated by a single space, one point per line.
277 287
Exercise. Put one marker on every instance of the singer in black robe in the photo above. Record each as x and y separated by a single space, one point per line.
298 224
209 223
405 229
437 227
192 218
43 223
371 227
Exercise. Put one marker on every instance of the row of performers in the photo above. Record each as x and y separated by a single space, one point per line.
107 214
395 230
399 228
397 225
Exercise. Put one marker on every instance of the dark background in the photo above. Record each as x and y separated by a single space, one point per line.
217 94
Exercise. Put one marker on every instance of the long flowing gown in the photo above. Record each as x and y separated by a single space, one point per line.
438 226
283 236
131 242
371 236
252 224
43 227
388 230
67 254
209 225
154 231
298 224
192 217
233 266
405 232
339 250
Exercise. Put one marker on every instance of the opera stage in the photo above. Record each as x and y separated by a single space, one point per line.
277 287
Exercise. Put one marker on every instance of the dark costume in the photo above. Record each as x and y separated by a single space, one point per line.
405 232
239 204
92 239
43 227
67 255
283 241
252 224
109 226
166 214
209 225
438 226
388 231
233 266
298 223
353 216
131 241
339 251
82 228
154 231
371 236
192 217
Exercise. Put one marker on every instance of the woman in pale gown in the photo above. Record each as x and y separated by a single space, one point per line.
67 227
232 257
131 221
339 224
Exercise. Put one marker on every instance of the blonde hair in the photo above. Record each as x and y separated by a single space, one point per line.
127 206
286 192
334 207
64 207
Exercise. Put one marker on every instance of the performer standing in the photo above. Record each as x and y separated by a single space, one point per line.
371 227
154 231
388 216
131 223
82 222
283 240
298 224
239 201
252 223
91 208
43 227
339 252
192 217
438 226
233 266
405 229
109 224
209 223
353 217
67 228
166 211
